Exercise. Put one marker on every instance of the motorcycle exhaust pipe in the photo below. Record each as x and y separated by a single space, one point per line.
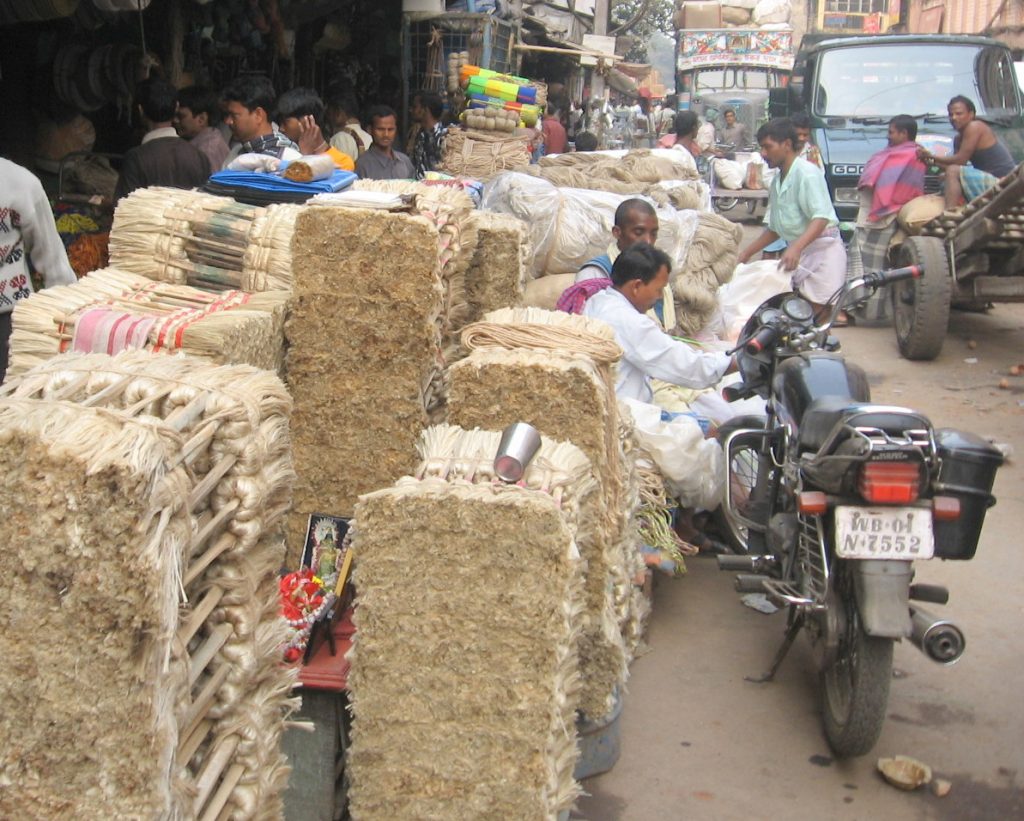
939 639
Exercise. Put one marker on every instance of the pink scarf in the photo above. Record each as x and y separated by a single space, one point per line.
896 176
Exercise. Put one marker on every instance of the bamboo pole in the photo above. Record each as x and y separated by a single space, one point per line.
212 769
217 639
199 615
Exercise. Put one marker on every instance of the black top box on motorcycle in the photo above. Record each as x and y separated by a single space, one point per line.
968 471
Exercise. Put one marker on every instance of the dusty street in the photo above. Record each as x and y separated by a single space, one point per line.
700 742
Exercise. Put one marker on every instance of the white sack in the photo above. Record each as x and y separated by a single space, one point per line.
729 173
568 227
544 292
751 284
772 11
692 467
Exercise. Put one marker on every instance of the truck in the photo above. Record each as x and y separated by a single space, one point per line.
735 68
851 86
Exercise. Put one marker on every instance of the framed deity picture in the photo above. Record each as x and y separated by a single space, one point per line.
326 551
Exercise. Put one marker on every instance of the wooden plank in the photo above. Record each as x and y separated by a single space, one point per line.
978 224
999 289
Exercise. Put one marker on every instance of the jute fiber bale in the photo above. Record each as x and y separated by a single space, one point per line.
709 263
364 358
94 541
500 560
555 371
179 236
230 428
498 272
544 292
449 208
111 310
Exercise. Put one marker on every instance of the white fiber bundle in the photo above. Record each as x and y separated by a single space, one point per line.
111 310
212 242
229 430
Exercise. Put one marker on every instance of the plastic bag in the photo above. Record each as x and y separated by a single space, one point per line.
692 467
751 284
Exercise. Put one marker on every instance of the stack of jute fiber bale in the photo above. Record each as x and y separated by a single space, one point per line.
364 356
464 670
111 310
497 275
556 371
146 499
188 237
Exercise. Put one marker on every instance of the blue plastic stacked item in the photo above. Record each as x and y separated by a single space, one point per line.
338 181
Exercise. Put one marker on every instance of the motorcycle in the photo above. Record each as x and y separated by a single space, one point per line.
830 500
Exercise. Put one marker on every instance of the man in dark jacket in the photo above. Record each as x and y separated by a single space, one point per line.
164 158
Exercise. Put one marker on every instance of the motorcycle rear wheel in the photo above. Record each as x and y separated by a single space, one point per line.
855 685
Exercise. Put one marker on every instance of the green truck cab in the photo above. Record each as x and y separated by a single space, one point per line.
851 86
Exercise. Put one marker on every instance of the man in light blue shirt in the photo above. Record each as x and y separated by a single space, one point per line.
800 211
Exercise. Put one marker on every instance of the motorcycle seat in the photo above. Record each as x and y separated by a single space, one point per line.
826 413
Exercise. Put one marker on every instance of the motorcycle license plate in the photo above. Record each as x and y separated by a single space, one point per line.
903 533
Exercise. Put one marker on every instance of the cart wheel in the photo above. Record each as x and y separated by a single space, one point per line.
921 306
724 203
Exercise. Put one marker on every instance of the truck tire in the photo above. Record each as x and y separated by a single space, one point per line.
920 307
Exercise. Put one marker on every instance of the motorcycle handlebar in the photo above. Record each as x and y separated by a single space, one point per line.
894 275
763 338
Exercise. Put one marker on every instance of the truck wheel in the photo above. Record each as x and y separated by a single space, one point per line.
921 306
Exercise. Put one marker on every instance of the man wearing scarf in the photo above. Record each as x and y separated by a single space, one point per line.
892 177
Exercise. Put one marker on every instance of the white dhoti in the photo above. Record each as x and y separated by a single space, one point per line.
821 270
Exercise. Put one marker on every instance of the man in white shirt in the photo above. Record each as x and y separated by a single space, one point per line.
639 276
27 230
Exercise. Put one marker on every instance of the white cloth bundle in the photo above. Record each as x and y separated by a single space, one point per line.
692 467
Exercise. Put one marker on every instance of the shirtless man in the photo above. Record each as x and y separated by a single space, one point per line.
975 143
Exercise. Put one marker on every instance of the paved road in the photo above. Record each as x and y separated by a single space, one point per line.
700 742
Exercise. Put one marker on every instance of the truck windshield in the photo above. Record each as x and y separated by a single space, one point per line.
735 78
913 78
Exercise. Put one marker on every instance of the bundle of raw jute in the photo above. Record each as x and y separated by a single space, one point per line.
709 263
486 728
364 354
211 242
684 194
449 207
111 310
481 154
212 700
639 165
497 275
556 371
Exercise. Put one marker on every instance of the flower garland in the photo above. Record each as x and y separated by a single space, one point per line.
304 600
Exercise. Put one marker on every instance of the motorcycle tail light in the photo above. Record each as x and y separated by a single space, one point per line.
890 483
